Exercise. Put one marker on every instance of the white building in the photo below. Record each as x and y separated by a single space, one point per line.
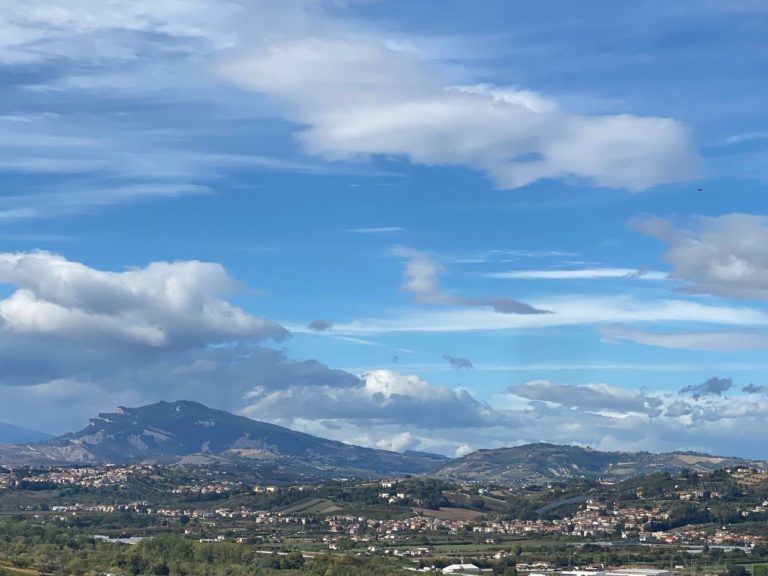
461 569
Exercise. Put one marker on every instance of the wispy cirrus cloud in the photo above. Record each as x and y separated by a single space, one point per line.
580 274
571 310
104 162
705 340
747 137
150 111
379 230
498 255
421 277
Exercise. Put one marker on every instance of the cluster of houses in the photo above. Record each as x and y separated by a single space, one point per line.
91 477
594 520
218 487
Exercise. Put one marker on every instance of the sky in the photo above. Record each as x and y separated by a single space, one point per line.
434 225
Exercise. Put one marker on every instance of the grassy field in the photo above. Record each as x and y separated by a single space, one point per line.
449 513
491 504
13 571
312 506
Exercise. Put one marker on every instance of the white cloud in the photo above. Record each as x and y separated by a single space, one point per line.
590 397
504 256
462 450
580 274
724 255
421 277
603 416
746 137
356 91
58 383
163 304
36 30
360 96
124 163
421 273
712 340
397 442
380 230
613 418
382 397
565 311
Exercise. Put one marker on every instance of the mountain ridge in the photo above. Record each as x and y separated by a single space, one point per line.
171 431
12 434
187 432
552 462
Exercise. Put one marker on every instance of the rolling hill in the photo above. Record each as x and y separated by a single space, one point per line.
550 462
10 434
186 432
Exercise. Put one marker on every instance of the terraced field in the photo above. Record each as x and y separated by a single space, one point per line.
313 506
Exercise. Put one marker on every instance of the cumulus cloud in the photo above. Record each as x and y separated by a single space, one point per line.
421 277
80 344
712 387
398 442
603 416
458 362
381 396
724 256
60 393
164 304
75 339
614 418
320 325
678 408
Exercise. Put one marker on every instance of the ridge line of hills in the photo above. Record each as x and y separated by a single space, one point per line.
186 432
11 434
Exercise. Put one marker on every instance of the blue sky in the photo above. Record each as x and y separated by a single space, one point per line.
517 222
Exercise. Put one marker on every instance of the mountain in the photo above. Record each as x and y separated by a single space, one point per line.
549 462
189 432
10 434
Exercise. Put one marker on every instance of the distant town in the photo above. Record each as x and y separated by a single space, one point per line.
686 523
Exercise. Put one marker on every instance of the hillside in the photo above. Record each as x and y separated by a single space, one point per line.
548 462
188 431
10 434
